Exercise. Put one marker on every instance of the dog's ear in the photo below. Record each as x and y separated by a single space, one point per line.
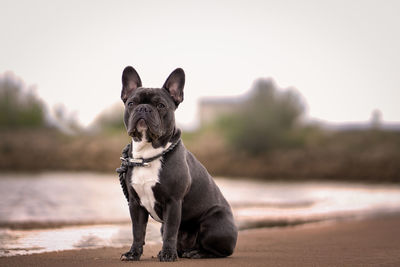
174 85
130 82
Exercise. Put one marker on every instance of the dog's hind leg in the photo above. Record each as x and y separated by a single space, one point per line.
217 236
186 241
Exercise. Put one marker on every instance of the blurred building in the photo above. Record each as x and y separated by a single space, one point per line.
212 107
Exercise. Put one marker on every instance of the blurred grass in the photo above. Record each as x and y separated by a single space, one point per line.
48 149
369 156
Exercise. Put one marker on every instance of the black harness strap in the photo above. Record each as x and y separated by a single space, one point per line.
127 162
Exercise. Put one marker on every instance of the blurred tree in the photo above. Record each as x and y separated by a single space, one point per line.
267 119
376 119
65 121
19 108
110 120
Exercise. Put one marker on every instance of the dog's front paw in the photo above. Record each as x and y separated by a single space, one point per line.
168 255
132 255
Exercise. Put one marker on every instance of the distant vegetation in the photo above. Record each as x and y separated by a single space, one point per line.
19 107
261 135
110 120
265 135
267 119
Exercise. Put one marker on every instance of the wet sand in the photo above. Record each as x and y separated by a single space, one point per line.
370 242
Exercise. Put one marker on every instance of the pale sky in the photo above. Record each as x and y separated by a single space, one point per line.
342 56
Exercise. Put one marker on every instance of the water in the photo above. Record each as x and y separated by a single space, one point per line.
58 211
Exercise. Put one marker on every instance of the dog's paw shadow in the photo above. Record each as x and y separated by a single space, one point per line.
196 254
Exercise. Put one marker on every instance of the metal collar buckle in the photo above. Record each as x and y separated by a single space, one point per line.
140 162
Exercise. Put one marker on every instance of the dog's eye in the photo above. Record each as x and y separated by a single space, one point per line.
130 104
160 105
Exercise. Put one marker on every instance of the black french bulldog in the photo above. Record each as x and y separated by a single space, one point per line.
167 182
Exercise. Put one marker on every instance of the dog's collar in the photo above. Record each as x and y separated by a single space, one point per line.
129 162
144 162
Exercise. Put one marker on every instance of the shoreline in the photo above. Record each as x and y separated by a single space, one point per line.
370 241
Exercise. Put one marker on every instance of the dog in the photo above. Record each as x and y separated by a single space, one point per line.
166 181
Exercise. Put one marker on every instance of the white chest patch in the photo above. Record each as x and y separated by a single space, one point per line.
145 178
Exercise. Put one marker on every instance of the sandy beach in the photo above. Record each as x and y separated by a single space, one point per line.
369 242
